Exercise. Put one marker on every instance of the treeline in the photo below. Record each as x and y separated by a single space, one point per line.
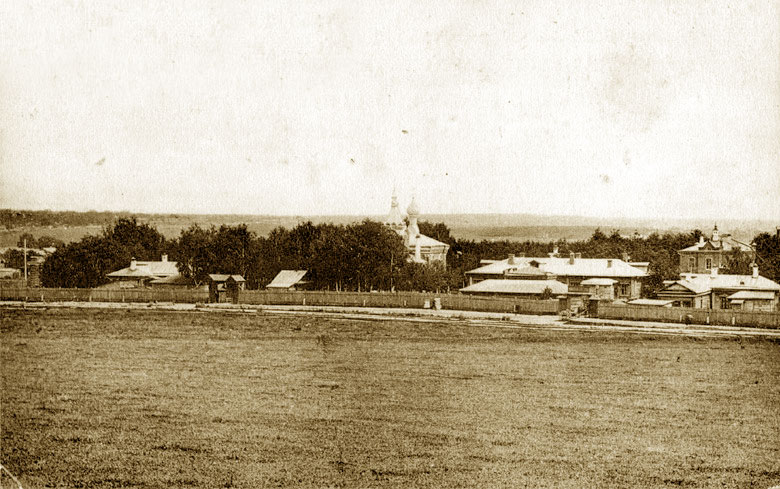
359 256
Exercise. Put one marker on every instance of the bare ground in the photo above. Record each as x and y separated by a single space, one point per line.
105 399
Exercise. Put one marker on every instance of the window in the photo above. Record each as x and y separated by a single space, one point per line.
724 302
708 263
624 289
691 264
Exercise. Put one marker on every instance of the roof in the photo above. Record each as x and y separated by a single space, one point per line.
509 286
527 271
428 241
219 277
148 269
286 279
701 283
598 281
177 279
9 272
582 267
752 294
723 281
650 302
725 243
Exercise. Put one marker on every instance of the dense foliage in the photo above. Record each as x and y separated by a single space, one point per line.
359 256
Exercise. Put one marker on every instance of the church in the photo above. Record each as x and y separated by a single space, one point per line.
421 248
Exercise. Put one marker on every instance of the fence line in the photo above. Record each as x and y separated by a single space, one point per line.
458 302
312 298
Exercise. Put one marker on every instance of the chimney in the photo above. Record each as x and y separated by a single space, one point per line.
554 252
755 269
626 258
578 255
609 263
701 239
571 258
133 264
164 258
511 259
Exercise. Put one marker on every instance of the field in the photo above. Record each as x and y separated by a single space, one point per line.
105 399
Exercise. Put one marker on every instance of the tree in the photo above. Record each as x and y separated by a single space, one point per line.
547 294
767 248
87 262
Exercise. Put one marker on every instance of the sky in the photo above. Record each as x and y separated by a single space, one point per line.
646 109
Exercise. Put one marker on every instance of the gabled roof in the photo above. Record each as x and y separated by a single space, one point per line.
582 267
220 277
286 279
695 287
147 269
509 286
725 243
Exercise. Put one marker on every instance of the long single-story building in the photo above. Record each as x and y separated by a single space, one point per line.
573 271
140 273
526 289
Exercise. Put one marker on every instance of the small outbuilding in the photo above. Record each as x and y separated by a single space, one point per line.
288 280
224 288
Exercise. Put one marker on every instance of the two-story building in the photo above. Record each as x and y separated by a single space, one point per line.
711 253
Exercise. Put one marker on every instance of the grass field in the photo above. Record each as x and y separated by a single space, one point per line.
105 399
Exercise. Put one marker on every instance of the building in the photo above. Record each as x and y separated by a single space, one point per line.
140 273
225 287
715 291
526 289
288 280
421 248
711 253
573 271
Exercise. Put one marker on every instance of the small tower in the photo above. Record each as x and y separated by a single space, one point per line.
394 220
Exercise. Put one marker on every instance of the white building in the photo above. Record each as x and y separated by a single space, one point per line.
422 248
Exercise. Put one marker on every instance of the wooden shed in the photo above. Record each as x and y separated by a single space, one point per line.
225 288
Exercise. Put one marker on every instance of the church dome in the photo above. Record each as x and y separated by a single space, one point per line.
412 210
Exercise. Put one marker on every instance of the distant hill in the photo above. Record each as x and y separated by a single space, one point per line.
72 226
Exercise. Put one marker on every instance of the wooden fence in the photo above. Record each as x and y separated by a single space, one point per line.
414 300
724 317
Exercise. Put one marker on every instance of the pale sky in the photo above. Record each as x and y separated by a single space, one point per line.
601 108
